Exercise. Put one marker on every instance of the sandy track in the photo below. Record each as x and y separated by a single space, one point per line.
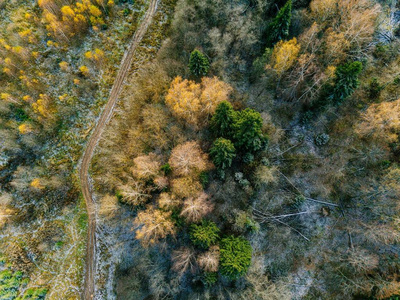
89 284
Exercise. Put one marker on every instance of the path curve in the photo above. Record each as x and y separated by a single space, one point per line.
89 284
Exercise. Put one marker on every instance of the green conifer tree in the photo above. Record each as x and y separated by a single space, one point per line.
198 63
247 130
235 256
222 120
205 234
279 27
223 152
346 81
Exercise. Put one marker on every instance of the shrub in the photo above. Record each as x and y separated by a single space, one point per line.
204 234
223 152
204 179
374 88
307 117
298 201
210 278
235 256
166 169
248 158
321 139
198 63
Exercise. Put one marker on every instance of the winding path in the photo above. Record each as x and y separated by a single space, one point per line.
89 284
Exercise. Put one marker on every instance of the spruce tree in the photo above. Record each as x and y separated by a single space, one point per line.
204 234
235 256
247 130
279 27
222 120
346 81
222 153
198 63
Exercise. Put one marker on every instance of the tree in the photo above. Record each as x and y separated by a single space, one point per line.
167 201
185 187
153 224
196 102
381 122
204 234
222 120
183 260
223 152
198 63
346 81
284 55
235 256
209 261
195 208
247 134
134 193
279 27
146 166
188 159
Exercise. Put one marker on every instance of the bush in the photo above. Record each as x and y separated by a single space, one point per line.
204 179
166 169
210 278
222 153
248 158
198 63
205 234
374 88
235 256
321 139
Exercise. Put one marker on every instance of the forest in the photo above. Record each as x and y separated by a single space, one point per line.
253 152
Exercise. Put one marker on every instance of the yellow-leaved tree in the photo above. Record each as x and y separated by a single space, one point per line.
152 225
195 102
381 122
284 55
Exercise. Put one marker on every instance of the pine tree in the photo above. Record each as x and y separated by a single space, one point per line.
222 153
198 63
279 27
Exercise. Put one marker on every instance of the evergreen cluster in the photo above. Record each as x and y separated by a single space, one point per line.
237 131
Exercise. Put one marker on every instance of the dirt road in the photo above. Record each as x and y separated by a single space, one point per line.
89 288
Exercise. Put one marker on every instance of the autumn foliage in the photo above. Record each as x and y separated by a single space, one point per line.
188 159
153 225
195 102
